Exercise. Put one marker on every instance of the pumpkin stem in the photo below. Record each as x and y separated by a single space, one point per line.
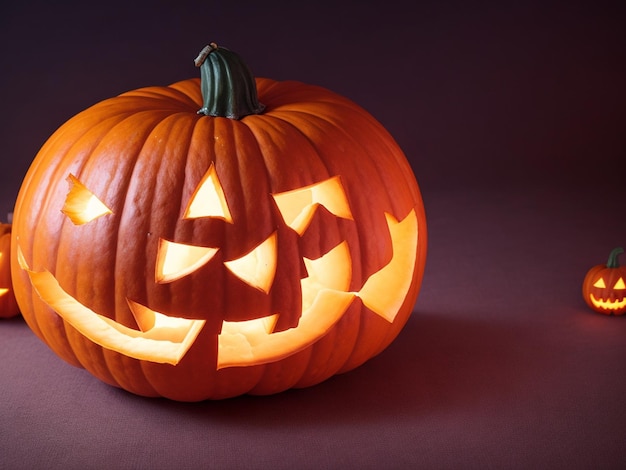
227 84
613 262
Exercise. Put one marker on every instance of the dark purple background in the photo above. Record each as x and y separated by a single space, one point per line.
513 116
477 94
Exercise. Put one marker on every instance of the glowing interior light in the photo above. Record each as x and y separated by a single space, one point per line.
298 206
396 276
331 271
264 325
208 199
258 267
619 284
81 205
176 260
600 284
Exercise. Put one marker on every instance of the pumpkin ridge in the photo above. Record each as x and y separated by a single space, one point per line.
111 190
61 168
90 357
242 139
131 105
144 161
190 88
347 364
248 181
128 374
174 95
35 174
335 167
288 94
327 345
266 87
391 153
269 125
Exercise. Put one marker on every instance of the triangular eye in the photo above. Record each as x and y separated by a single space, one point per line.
258 267
81 205
177 260
298 206
600 284
619 284
208 199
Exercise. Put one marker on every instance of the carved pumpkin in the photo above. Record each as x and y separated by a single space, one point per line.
8 304
242 248
604 286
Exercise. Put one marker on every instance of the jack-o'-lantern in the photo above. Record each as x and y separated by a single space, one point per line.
8 305
270 240
604 286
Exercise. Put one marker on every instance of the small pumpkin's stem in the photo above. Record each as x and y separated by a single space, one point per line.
227 84
613 262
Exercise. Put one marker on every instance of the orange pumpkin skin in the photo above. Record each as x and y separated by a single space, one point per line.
8 304
604 288
143 154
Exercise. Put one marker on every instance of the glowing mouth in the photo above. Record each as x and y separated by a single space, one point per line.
608 304
161 339
166 339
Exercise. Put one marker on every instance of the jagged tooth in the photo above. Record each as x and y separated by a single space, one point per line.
145 317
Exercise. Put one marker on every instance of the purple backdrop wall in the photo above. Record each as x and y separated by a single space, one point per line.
475 93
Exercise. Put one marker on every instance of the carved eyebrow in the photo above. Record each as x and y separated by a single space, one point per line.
82 205
298 206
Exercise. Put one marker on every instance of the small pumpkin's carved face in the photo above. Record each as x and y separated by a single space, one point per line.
610 298
604 287
325 289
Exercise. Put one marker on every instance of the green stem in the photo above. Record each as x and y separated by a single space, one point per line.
227 84
613 262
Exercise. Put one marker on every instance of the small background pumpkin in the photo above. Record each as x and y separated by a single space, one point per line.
604 288
8 304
